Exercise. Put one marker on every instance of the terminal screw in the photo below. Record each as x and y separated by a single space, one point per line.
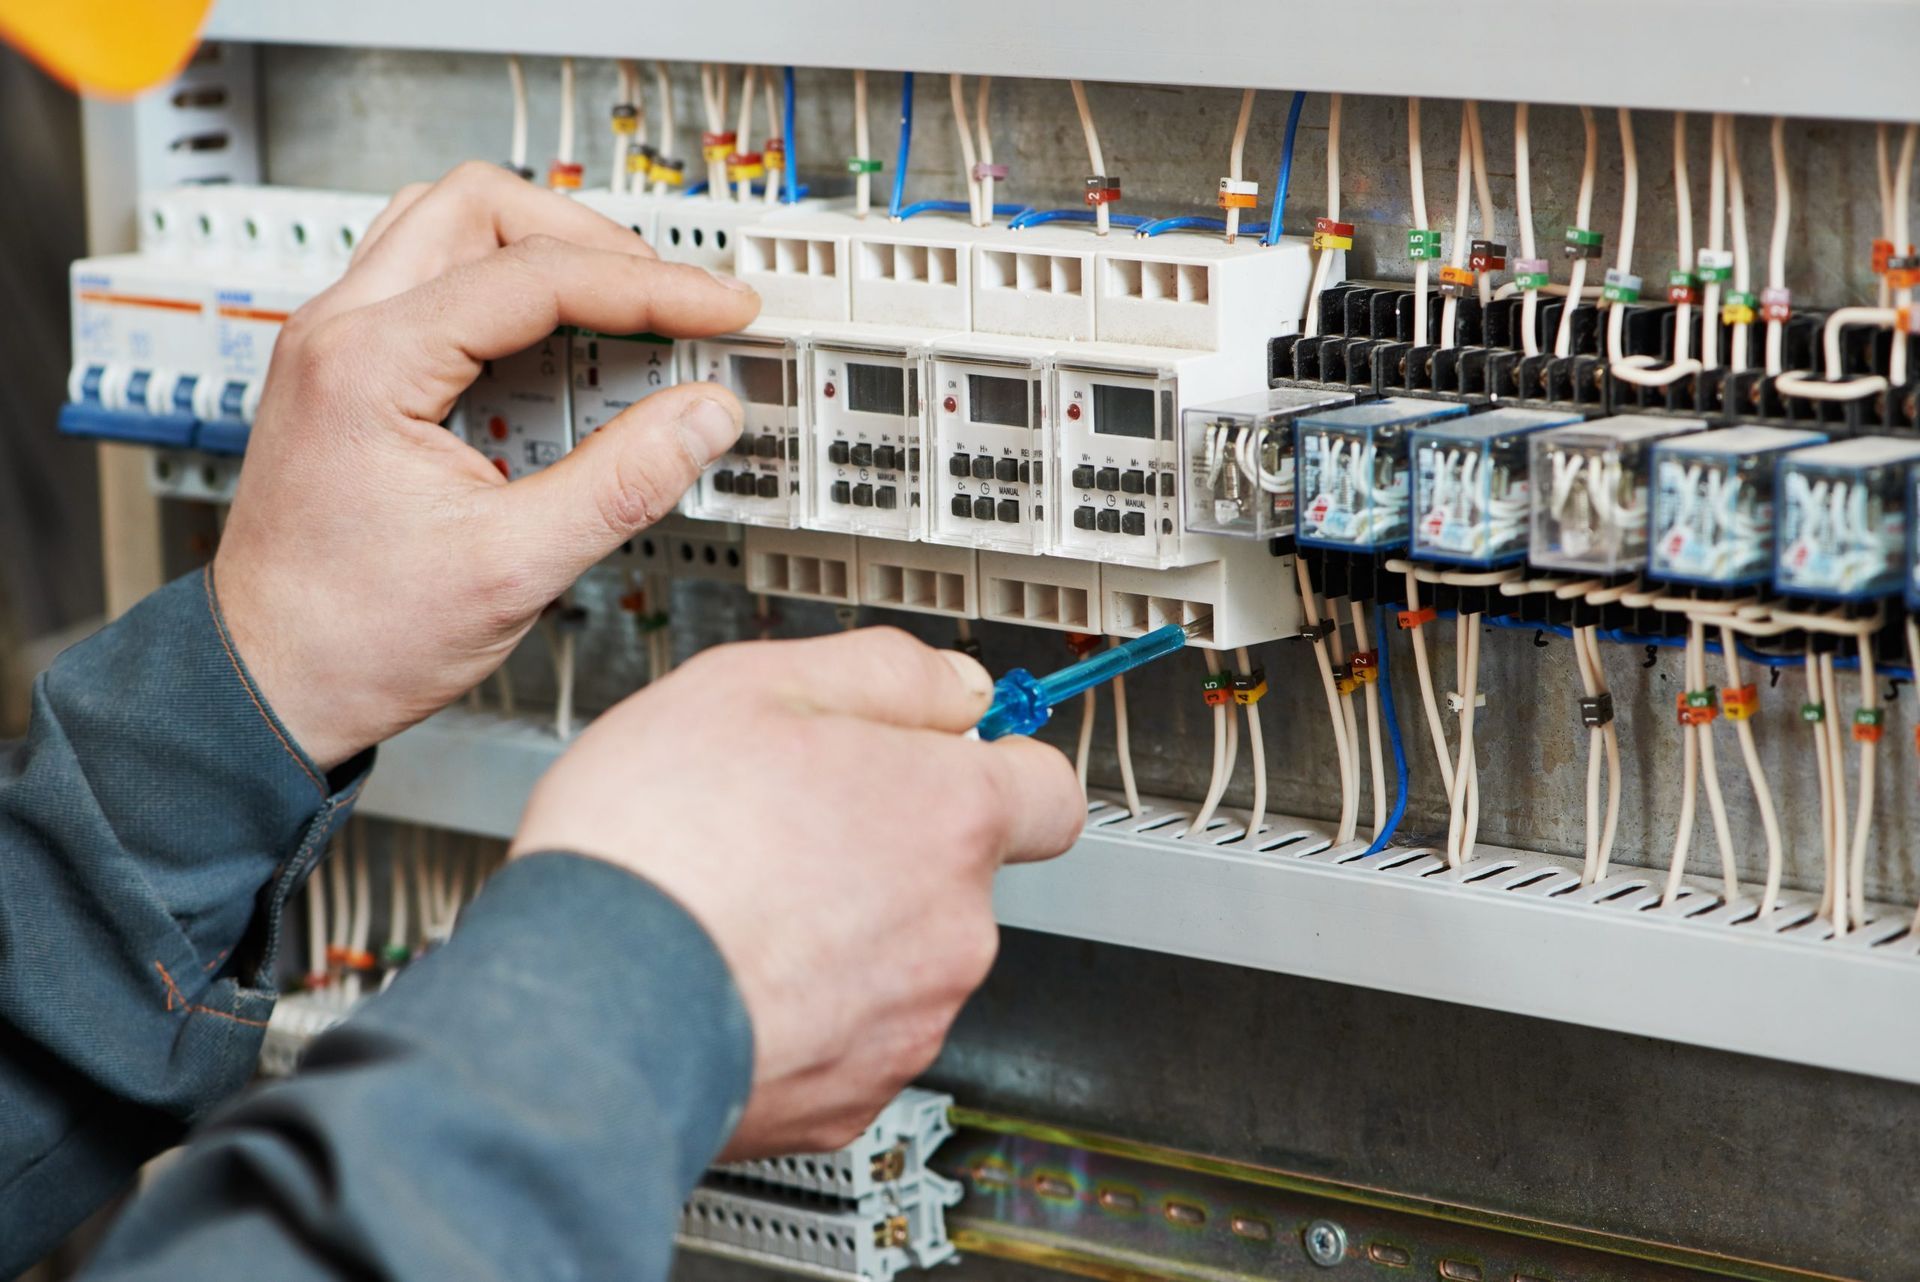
1326 1243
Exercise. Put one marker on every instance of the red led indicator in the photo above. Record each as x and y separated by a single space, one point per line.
501 465
828 391
497 428
1073 411
950 405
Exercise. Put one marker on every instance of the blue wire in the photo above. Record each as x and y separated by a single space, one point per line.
791 193
906 146
960 207
1190 222
1285 176
1393 737
1841 663
1034 218
698 189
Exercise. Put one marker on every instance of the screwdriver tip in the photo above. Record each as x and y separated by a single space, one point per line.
1198 626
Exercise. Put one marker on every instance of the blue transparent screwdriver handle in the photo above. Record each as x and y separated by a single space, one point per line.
1022 702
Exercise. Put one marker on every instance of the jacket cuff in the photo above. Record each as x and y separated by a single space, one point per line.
198 780
568 960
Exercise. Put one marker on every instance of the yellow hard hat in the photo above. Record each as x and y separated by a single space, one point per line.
111 47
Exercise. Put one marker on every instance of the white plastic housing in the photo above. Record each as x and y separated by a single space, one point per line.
917 274
805 564
865 441
638 213
518 412
1187 290
135 315
1040 592
1246 596
1037 284
798 265
759 481
989 445
923 578
1116 427
610 372
703 232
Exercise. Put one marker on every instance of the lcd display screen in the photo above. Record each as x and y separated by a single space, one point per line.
1006 402
1123 411
762 380
876 389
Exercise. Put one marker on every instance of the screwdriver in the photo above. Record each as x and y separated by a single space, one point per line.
1022 702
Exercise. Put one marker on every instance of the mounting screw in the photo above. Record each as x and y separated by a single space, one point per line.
1326 1243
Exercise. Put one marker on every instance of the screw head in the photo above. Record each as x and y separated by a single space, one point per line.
1325 1242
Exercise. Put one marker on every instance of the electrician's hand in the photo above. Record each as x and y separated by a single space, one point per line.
813 805
374 568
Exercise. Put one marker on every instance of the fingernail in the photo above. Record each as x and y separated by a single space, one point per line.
972 675
710 427
728 280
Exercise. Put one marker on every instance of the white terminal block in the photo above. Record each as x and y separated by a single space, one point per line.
1040 592
922 578
989 447
806 565
917 274
1199 292
1246 597
1037 283
707 233
638 212
760 480
1116 429
796 260
865 441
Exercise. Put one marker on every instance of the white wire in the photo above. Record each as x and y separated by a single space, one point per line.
1689 789
983 100
957 92
1363 640
668 147
1343 749
1350 816
1323 258
1710 769
1463 802
743 134
1590 865
1836 757
317 935
1095 156
1217 781
1830 892
1236 158
1123 741
1757 776
1884 171
564 152
1083 754
1523 198
1483 186
1429 699
1462 202
1257 748
1777 250
1863 816
1716 240
1418 188
1737 218
517 78
397 891
713 88
617 175
1902 209
1583 212
862 145
775 173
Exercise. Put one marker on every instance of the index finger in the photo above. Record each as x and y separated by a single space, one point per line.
476 209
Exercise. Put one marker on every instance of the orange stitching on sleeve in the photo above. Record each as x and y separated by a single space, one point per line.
241 677
175 996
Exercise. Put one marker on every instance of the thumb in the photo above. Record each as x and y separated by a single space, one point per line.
621 479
